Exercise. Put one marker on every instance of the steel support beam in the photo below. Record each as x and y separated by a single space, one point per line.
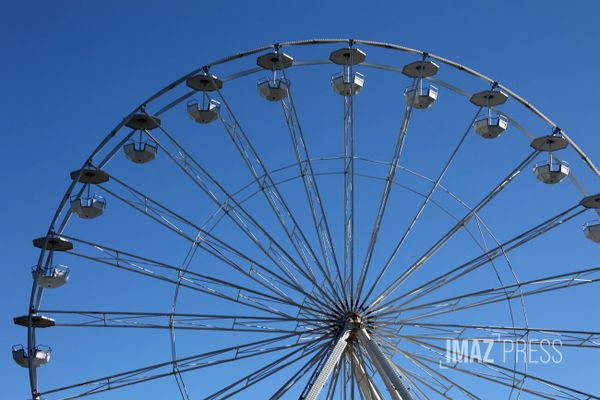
365 384
349 192
332 361
384 366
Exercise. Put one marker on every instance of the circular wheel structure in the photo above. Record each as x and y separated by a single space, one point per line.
367 221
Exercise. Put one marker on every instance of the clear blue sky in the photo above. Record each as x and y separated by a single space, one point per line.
71 70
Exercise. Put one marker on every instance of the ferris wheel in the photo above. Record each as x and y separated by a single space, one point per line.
328 218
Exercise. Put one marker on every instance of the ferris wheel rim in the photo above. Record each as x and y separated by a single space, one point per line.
117 129
246 53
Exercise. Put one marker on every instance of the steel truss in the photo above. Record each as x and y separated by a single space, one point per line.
316 325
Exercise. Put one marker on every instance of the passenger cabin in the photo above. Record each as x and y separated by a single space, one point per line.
52 277
205 112
421 96
592 231
275 89
41 356
140 152
88 207
552 171
346 84
490 126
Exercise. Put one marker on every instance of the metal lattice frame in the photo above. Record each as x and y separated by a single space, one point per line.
332 322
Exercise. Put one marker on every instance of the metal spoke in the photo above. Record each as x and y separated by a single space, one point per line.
214 246
288 318
183 321
141 265
491 333
386 193
426 201
390 375
271 192
506 293
348 116
487 257
558 390
415 390
317 358
423 259
429 386
180 276
199 361
261 374
233 209
310 185
497 375
441 388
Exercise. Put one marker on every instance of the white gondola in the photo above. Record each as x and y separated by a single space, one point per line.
551 172
491 127
41 356
140 152
346 84
273 89
421 96
592 230
204 113
88 207
52 277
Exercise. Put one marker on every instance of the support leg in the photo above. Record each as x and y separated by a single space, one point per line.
332 360
365 384
384 366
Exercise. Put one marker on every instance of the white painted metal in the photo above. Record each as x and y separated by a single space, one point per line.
592 231
273 90
53 277
140 152
319 307
41 356
88 207
332 361
347 84
551 172
422 96
313 196
490 127
204 113
365 384
384 366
